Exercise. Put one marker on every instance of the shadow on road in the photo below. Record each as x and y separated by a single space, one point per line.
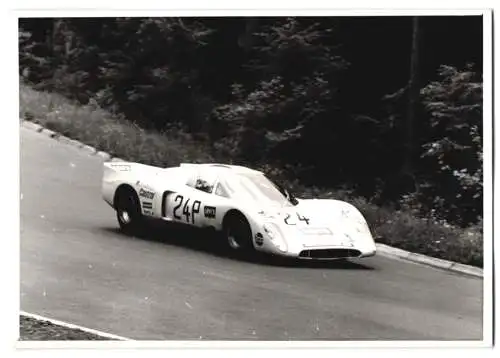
205 241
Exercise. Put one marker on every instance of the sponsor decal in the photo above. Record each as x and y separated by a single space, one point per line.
147 207
259 239
209 212
146 194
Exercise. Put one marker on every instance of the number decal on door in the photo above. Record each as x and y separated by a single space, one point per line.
187 211
195 209
177 198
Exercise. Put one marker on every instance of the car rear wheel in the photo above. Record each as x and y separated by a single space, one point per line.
238 233
128 212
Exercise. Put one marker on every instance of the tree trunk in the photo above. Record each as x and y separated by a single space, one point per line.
245 40
413 101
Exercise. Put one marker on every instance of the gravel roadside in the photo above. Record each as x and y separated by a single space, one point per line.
36 330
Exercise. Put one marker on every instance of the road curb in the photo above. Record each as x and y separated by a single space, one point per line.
49 132
466 269
383 249
69 141
393 251
386 250
31 125
66 140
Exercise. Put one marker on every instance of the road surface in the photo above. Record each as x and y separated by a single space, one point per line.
77 267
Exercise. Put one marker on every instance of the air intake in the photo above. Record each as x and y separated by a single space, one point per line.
329 254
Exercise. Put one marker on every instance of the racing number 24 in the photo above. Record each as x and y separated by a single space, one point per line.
300 217
187 211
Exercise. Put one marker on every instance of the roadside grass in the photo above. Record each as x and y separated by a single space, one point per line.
119 137
100 129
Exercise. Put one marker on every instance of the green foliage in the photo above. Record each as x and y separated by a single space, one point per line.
107 132
297 71
294 48
290 92
271 114
454 147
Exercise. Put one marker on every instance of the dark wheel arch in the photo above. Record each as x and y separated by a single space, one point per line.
124 189
230 218
230 214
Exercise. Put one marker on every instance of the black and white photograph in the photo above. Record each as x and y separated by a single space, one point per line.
277 177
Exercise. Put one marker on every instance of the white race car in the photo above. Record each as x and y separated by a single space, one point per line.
251 212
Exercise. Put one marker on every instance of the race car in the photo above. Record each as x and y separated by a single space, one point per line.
248 210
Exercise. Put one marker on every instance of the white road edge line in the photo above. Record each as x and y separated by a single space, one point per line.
73 326
382 249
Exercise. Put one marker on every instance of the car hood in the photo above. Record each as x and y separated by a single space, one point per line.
320 222
314 213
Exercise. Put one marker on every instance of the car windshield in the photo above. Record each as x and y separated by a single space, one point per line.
256 187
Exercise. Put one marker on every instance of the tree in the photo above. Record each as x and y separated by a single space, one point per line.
453 152
296 71
413 102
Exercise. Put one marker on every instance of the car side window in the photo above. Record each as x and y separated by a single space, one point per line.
191 181
204 185
203 181
220 191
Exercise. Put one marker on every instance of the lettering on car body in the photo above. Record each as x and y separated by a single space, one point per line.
209 212
146 194
147 207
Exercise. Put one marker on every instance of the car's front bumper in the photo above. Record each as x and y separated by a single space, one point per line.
287 242
333 253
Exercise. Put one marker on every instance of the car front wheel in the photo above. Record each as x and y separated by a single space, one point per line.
238 233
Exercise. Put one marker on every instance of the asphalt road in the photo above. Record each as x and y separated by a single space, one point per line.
76 267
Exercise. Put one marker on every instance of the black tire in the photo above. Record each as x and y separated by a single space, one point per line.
128 211
238 234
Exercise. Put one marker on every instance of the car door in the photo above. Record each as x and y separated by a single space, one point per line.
204 186
192 205
214 204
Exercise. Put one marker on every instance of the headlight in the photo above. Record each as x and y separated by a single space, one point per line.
359 221
274 234
362 227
